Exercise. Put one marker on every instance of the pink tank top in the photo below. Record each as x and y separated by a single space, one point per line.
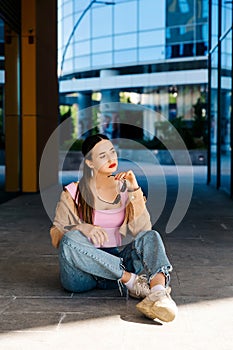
110 220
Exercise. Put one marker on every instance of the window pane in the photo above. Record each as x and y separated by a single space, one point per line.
69 52
202 32
202 9
225 132
82 48
125 56
214 28
226 114
226 17
80 5
184 6
180 34
226 52
102 44
101 21
68 8
155 37
125 17
82 31
125 41
152 53
68 66
67 29
213 114
151 14
102 59
177 14
81 63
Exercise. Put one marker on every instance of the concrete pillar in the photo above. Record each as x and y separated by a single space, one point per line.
109 107
85 122
39 87
12 111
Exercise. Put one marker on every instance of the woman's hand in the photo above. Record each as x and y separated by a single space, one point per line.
130 178
97 235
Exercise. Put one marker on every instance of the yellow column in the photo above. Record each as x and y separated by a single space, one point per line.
28 99
39 88
12 111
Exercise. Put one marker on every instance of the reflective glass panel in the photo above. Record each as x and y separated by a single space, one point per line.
67 28
81 63
179 34
102 59
151 38
125 41
68 66
101 21
214 23
81 5
214 116
152 53
202 32
226 53
125 56
82 31
226 95
151 14
69 53
226 16
125 17
82 48
68 8
102 44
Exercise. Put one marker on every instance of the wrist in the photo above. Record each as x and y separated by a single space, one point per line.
133 189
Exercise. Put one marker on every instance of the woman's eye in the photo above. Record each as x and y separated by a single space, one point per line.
101 157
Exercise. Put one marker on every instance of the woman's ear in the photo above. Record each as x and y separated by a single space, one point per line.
89 163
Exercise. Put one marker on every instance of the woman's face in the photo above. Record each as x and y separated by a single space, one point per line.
103 157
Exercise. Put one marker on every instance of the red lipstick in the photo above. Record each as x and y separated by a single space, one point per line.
112 165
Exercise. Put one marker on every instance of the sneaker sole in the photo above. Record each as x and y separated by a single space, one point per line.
157 312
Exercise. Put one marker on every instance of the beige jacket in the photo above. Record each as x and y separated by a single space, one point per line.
137 218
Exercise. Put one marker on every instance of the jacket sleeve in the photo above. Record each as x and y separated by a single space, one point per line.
137 218
65 218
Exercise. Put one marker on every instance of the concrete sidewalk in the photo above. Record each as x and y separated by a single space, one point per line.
36 313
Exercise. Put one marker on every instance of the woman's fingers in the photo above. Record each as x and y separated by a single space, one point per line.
98 236
128 176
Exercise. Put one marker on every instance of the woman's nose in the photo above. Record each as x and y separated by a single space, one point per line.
110 157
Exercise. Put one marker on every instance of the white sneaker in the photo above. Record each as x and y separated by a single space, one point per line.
159 305
140 288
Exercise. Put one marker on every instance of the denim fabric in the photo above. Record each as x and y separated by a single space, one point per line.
84 267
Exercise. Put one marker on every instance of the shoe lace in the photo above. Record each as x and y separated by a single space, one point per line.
160 293
141 285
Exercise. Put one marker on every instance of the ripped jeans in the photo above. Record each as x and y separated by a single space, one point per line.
84 267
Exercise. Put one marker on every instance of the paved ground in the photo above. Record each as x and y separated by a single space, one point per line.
36 313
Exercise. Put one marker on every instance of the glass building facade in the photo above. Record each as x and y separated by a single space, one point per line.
131 32
154 49
220 169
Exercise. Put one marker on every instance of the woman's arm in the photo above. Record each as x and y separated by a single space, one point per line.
67 219
137 215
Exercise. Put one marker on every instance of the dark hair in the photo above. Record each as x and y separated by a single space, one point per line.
91 141
84 194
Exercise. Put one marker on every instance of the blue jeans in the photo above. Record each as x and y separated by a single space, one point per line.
84 267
